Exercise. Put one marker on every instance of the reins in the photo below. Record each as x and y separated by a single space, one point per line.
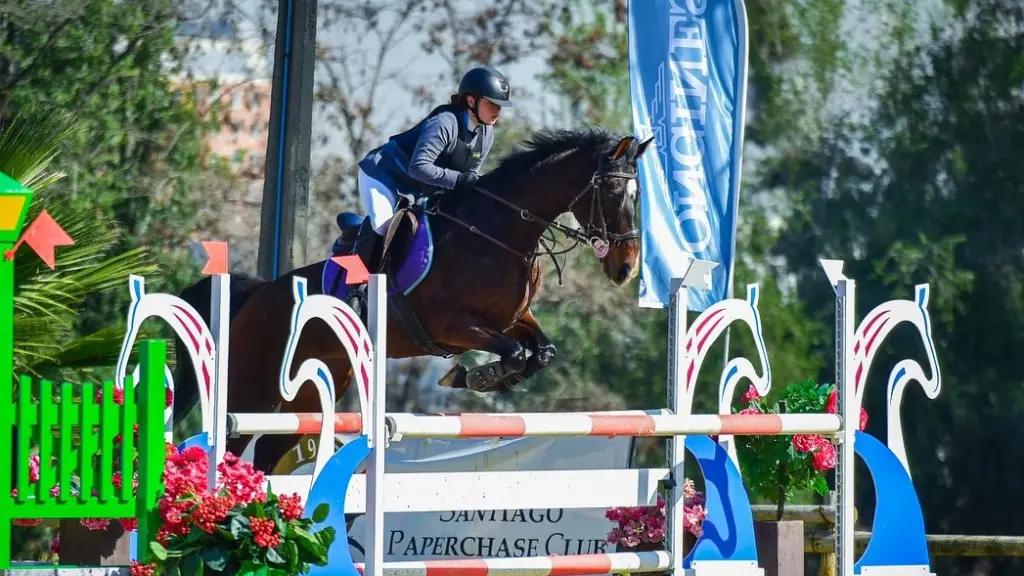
598 237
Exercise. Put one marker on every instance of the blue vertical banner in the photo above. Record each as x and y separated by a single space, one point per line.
688 86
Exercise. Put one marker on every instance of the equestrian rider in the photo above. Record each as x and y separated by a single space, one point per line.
444 151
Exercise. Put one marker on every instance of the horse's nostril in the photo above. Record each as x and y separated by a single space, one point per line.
624 271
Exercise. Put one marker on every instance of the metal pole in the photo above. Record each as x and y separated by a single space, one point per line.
377 320
286 181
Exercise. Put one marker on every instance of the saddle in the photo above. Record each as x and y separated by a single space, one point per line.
404 259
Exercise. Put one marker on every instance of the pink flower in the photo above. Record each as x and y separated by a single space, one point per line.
751 394
751 410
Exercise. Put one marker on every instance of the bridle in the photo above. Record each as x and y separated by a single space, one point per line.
596 235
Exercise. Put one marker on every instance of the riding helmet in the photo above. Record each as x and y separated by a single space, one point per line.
486 82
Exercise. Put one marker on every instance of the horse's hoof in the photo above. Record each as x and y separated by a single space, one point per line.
455 378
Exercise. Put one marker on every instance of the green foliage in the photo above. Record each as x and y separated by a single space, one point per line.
773 467
47 302
135 158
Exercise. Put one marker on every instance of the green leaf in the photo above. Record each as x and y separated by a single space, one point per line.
320 513
216 558
158 550
274 556
306 541
192 565
240 527
251 567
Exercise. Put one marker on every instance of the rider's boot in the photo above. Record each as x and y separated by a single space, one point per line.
367 246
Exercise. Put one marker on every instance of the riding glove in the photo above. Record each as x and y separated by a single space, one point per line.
466 181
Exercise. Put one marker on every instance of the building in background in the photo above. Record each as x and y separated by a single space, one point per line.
228 73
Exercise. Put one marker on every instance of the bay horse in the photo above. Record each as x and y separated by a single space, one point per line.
462 272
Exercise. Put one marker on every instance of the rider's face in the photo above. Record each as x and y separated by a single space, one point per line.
488 112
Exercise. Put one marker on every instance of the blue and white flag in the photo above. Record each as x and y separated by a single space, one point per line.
688 84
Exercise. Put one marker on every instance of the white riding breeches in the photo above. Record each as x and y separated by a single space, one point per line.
378 200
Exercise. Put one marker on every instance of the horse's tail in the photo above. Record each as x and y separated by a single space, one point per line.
186 389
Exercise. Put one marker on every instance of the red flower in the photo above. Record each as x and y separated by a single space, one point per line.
95 524
832 407
263 532
118 396
291 507
168 397
751 410
806 442
55 545
142 569
212 509
129 524
825 457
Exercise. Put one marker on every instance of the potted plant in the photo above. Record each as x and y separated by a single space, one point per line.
777 468
238 528
642 528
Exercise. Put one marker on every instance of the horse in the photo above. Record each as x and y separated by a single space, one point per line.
462 272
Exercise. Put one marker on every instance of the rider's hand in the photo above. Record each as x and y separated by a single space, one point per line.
466 181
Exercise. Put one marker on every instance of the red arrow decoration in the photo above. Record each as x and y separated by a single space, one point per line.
356 272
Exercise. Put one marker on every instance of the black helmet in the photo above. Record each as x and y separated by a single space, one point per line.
486 82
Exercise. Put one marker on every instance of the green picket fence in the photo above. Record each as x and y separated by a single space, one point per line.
78 449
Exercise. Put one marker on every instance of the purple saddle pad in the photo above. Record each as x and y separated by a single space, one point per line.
412 270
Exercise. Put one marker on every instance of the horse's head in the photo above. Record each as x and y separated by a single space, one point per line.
607 211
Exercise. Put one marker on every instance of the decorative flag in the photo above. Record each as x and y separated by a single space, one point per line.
217 263
688 85
356 272
42 236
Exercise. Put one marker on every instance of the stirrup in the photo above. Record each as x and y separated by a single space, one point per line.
358 301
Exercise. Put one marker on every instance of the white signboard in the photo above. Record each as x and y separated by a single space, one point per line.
453 534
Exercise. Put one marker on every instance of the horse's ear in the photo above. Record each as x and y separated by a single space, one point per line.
624 145
643 146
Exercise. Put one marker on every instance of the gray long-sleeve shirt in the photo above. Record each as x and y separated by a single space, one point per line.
436 136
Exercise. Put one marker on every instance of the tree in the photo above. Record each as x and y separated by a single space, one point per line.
926 188
136 158
46 302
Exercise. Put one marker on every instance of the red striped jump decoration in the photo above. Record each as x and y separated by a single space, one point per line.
635 423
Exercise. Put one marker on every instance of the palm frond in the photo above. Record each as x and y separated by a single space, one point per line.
30 142
47 302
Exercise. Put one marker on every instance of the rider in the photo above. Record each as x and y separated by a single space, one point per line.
444 151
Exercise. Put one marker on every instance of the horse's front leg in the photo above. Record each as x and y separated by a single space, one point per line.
488 377
542 349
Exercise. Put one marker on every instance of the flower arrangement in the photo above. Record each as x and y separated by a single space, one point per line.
237 528
776 467
640 526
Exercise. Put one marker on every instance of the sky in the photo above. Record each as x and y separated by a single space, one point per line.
396 110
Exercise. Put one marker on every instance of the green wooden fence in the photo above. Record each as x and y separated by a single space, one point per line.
77 436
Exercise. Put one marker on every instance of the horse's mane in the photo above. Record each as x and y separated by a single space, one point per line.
547 145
